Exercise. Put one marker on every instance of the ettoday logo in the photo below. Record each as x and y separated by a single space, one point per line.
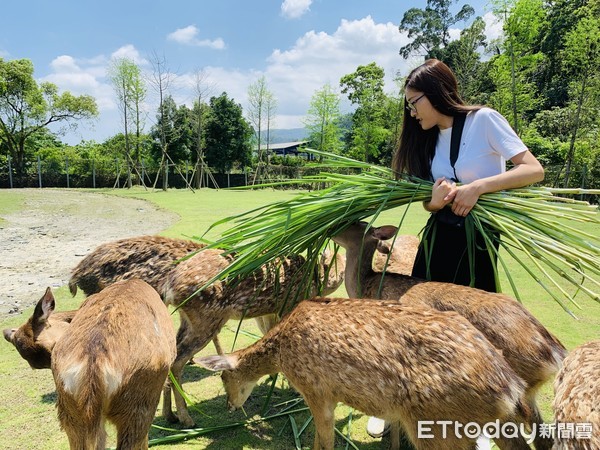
509 430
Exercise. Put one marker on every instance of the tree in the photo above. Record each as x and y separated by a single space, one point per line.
27 108
129 86
259 99
582 54
200 113
365 89
430 27
227 135
161 81
513 69
463 57
322 120
561 17
175 124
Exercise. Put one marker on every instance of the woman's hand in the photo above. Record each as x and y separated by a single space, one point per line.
463 198
441 194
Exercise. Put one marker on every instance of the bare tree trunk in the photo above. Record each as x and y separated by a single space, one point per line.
569 159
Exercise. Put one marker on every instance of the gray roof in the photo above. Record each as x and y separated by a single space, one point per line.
283 145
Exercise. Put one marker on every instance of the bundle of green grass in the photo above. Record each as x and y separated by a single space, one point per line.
539 227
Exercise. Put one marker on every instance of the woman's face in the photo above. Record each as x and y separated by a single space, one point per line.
422 110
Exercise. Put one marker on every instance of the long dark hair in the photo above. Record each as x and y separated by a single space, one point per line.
417 146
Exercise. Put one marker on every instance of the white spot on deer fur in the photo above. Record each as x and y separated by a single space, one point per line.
71 378
112 380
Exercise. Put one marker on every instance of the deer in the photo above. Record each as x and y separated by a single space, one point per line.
577 396
405 363
398 258
109 361
271 290
148 258
531 350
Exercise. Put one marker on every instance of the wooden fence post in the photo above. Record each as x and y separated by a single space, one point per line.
67 170
39 167
94 173
10 173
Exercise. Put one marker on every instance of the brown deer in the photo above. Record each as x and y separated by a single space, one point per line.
270 290
399 258
577 398
110 362
148 258
35 339
533 352
403 363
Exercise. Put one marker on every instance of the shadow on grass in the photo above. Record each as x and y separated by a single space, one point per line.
274 434
49 398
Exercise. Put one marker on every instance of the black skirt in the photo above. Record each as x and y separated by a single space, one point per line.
443 255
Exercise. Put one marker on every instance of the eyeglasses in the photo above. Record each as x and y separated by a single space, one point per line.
410 106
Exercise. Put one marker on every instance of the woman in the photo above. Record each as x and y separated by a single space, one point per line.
486 141
433 104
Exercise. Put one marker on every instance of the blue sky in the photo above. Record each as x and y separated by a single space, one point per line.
298 45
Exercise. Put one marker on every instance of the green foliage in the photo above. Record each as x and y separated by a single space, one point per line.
287 160
430 27
173 133
462 56
549 151
227 135
364 88
561 17
323 120
26 108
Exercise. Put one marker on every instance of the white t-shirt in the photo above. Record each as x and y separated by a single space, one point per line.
487 142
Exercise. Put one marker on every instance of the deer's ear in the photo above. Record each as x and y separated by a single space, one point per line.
44 307
385 232
217 363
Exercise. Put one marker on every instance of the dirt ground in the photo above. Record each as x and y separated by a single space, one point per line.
41 243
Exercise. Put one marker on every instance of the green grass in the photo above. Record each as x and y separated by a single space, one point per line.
27 412
10 201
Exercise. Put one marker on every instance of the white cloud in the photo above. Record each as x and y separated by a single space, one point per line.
318 58
129 52
493 26
79 78
293 9
4 53
188 36
292 74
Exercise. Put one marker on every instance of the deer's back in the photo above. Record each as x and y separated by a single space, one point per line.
148 258
529 347
118 334
381 357
577 395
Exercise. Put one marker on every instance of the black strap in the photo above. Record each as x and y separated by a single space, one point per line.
457 128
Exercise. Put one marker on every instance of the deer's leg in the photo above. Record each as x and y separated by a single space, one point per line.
198 332
323 417
265 323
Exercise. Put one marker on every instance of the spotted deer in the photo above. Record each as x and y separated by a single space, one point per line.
148 258
270 290
109 361
533 352
398 258
577 399
403 363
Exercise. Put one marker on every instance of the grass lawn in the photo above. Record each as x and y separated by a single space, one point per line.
28 416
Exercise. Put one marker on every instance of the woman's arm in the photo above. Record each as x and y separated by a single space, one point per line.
527 170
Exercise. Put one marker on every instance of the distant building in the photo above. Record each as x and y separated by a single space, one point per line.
287 148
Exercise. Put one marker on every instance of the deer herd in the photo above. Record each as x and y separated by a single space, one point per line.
403 349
